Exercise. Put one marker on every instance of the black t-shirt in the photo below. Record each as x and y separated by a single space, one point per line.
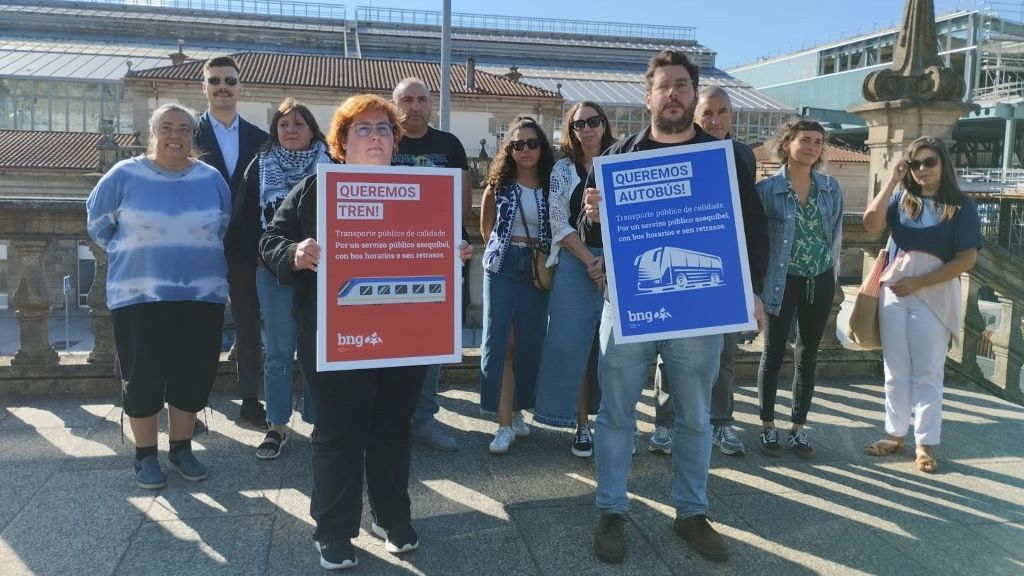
435 148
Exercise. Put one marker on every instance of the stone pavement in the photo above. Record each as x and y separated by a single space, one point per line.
68 504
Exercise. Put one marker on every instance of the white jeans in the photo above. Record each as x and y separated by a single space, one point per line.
914 344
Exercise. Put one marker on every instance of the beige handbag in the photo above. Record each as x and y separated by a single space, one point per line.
864 329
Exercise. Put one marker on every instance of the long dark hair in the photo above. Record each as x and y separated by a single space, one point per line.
571 146
503 168
287 106
948 199
788 131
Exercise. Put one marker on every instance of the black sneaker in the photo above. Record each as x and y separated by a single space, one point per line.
397 540
339 555
583 442
770 443
610 538
798 442
252 414
698 533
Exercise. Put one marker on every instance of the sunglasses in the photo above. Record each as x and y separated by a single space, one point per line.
593 122
215 81
930 162
519 145
383 130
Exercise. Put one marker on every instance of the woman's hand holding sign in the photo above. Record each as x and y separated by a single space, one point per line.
592 202
307 255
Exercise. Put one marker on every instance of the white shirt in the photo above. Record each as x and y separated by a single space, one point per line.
528 200
227 140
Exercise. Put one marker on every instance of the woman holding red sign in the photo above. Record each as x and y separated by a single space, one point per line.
514 220
364 415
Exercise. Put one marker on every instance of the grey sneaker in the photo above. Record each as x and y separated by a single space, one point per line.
798 442
148 474
520 427
503 440
185 462
431 433
727 441
661 441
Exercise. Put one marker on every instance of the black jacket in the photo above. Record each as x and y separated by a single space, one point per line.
294 221
754 222
250 139
245 227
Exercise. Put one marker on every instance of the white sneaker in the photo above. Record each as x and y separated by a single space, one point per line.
503 440
520 427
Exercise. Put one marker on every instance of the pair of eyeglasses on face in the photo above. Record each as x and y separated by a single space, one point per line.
383 130
520 145
929 162
216 80
593 122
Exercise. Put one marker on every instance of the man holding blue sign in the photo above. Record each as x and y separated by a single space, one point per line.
686 252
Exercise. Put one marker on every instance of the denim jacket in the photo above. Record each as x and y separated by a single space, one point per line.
506 208
780 208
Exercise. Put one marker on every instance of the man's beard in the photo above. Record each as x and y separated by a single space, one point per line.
679 126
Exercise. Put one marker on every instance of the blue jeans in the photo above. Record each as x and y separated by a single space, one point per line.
279 342
691 368
575 312
512 306
426 404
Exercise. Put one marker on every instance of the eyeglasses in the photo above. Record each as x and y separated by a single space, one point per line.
593 122
384 130
519 145
929 162
215 80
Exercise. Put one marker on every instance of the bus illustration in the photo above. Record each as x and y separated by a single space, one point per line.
392 290
671 269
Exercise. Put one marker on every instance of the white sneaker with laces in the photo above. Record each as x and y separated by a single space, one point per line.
503 440
520 427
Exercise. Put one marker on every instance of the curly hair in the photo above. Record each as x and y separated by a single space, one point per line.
570 145
788 131
347 113
503 167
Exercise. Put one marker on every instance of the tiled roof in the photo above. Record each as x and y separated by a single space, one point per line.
53 150
347 73
832 154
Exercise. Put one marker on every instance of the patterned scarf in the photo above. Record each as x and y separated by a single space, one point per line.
280 170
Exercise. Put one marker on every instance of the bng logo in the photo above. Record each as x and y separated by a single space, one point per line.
359 340
649 316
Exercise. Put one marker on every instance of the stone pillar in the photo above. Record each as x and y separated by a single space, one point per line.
1006 344
32 306
965 351
894 124
102 329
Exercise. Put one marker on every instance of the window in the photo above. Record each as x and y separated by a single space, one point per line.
86 273
4 296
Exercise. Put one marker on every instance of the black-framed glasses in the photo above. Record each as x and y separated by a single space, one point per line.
929 162
593 122
215 80
519 145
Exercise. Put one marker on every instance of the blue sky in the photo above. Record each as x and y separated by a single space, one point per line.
739 30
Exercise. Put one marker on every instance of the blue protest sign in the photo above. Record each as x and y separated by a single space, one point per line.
674 246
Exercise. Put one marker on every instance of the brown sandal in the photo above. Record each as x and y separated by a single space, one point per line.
883 447
926 463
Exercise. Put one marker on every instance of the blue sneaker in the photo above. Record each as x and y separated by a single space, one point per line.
148 474
185 462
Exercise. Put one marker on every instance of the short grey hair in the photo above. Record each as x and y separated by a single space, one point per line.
709 92
154 118
405 83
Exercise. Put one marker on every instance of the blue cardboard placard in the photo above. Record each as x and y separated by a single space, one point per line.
674 246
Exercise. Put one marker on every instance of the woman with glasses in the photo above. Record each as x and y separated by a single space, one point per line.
804 209
567 389
162 218
935 235
295 147
363 417
514 220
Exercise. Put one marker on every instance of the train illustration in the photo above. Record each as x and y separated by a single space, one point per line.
671 269
392 290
